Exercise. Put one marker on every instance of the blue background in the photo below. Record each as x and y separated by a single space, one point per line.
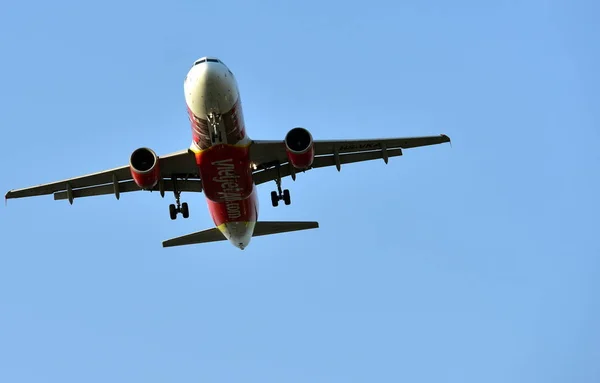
470 263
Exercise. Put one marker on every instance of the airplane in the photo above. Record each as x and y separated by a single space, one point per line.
225 164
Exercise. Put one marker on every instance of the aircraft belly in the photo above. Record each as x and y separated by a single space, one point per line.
229 188
243 210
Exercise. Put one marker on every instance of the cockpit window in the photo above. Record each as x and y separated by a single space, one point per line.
200 61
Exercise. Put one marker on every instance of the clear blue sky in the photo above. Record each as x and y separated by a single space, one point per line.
471 263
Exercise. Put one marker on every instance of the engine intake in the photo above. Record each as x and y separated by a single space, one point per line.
145 169
300 148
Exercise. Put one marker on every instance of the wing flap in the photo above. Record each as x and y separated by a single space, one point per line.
352 146
129 186
324 161
99 178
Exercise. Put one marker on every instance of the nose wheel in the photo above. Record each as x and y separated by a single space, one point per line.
179 207
280 195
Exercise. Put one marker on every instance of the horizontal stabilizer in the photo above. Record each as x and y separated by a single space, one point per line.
275 227
209 235
261 228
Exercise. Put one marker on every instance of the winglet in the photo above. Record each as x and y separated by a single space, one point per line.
448 138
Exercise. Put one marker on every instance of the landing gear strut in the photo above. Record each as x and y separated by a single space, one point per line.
181 207
214 121
279 195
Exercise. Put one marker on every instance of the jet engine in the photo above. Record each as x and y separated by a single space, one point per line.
300 148
144 166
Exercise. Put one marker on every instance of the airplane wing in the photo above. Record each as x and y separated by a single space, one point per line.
266 155
181 164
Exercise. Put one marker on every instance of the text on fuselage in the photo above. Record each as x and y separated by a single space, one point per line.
230 189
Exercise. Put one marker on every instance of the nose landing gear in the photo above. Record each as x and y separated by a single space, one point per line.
214 120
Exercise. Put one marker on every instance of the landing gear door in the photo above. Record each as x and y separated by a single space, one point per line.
215 128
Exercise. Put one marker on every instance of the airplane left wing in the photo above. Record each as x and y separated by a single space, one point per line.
119 180
271 160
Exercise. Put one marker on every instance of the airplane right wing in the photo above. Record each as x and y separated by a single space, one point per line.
181 164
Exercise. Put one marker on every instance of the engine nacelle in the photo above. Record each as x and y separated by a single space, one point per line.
300 148
145 169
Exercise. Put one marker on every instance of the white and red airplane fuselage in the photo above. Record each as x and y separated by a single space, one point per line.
221 147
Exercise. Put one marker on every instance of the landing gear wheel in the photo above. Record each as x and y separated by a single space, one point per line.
185 212
172 211
278 195
178 207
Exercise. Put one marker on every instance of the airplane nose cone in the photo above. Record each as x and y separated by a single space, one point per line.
210 87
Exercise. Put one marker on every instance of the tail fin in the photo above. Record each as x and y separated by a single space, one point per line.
261 228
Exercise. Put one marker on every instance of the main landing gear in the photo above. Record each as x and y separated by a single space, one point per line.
279 195
180 208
